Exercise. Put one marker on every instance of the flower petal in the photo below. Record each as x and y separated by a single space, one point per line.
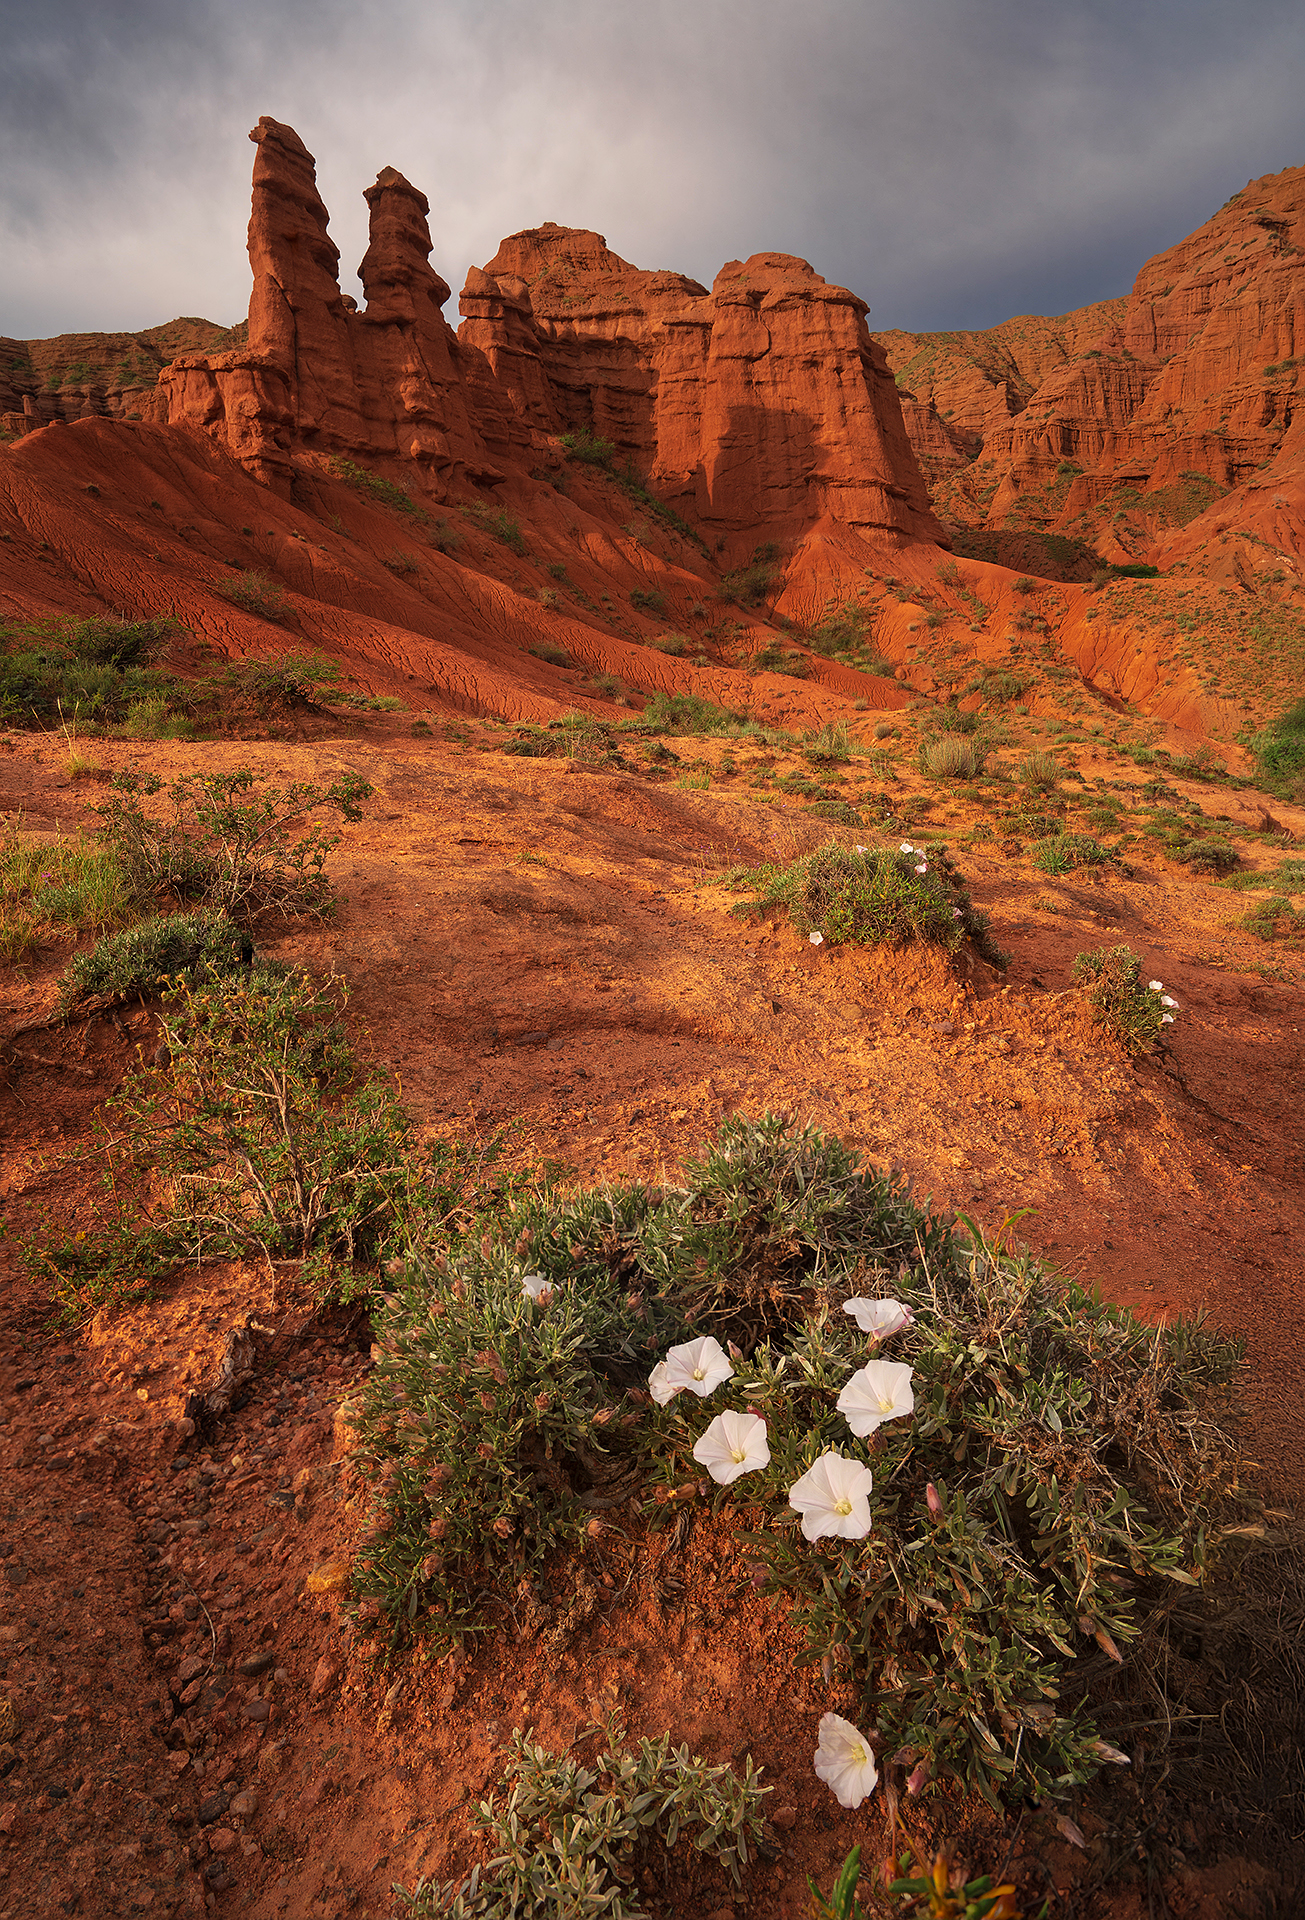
844 1760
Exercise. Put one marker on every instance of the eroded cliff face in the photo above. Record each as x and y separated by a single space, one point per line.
757 409
762 404
1135 419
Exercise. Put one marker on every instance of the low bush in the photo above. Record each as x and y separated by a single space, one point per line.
1060 852
1040 770
571 1839
748 586
1135 1014
280 683
773 658
588 448
1274 919
88 671
384 491
548 651
686 713
952 756
1280 753
830 746
648 599
871 896
143 958
257 593
226 842
508 1411
1210 854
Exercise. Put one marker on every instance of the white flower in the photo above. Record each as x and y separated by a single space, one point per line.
878 1391
833 1498
1166 1019
1167 1000
956 913
537 1287
879 1317
858 849
923 867
844 1761
907 847
734 1443
1156 986
699 1365
817 939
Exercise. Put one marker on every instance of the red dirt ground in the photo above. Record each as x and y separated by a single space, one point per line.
546 943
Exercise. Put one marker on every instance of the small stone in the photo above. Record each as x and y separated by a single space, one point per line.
326 1676
193 1665
784 1818
221 1840
218 1876
212 1807
257 1662
244 1806
257 1709
178 1761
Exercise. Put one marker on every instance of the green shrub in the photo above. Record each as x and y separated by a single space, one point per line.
153 717
952 757
648 600
496 1428
1040 770
830 746
676 644
399 561
687 713
1274 919
53 672
143 958
869 897
228 845
1212 854
385 491
773 658
998 684
1280 752
568 1838
280 683
257 593
1135 1014
748 586
1062 851
115 641
589 448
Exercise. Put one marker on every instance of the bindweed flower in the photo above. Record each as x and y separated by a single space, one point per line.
844 1761
858 849
1167 1000
923 867
1166 1019
907 847
734 1444
879 1317
833 1498
817 939
933 1500
956 913
878 1391
1156 986
537 1287
699 1365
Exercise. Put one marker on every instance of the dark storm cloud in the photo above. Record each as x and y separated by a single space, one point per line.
955 161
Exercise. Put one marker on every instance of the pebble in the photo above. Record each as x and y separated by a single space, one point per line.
257 1662
257 1709
331 1577
244 1806
784 1818
212 1808
221 1840
218 1876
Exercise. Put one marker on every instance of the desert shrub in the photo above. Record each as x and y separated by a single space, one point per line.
830 746
952 756
870 896
568 1838
227 842
953 720
748 586
257 593
1040 770
648 599
687 713
773 658
557 569
999 684
589 448
49 672
1280 752
384 491
507 1411
115 641
278 684
1060 852
267 1134
1134 1013
675 644
1274 919
72 886
143 958
1210 854
401 562
1026 584
153 717
548 650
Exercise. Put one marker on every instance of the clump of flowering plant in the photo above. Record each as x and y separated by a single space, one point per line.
1136 1014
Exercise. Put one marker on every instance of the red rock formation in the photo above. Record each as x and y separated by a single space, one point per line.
1129 419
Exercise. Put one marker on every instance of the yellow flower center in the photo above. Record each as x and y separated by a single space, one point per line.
885 1406
842 1506
700 1373
737 1455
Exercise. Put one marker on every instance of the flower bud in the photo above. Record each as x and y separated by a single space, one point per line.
920 1778
543 1401
485 1451
438 1527
487 1401
594 1528
604 1416
934 1501
503 1527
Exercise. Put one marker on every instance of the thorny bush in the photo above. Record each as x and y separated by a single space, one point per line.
1062 1463
228 843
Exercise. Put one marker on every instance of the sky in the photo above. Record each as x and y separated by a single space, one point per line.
955 162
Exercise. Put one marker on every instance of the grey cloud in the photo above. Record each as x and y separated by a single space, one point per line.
954 162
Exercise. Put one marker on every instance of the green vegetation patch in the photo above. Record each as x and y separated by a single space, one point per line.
1136 1014
524 1389
144 958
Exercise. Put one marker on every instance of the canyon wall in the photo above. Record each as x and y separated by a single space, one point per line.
1126 422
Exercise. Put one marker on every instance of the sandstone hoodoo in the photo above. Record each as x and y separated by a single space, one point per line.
757 408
